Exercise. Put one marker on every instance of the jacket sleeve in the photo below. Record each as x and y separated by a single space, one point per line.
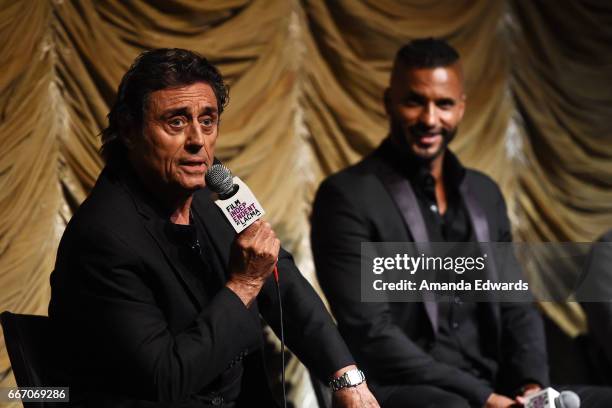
523 342
390 356
104 303
310 331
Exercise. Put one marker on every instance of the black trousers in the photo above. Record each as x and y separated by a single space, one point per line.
426 396
416 396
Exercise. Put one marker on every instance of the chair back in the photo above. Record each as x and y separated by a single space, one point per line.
27 343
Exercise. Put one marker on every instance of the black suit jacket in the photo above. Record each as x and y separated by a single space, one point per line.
135 327
595 296
391 340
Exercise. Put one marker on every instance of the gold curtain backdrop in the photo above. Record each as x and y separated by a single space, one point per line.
306 80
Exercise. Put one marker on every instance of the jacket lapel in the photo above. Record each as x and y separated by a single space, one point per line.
155 222
401 192
220 232
221 235
483 236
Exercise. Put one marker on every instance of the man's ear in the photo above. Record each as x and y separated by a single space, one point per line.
128 139
387 101
462 106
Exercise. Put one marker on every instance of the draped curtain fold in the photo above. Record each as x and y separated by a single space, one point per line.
307 79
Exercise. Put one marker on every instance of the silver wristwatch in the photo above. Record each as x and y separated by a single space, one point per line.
351 378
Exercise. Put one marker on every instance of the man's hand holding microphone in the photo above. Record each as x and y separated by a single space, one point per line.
252 259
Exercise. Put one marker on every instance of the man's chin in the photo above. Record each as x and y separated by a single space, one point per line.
427 154
191 186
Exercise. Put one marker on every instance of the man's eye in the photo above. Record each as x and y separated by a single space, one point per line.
176 122
207 121
411 102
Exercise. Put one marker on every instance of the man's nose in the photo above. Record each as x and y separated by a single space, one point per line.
195 138
429 116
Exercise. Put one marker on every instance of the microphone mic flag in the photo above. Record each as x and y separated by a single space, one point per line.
234 198
551 398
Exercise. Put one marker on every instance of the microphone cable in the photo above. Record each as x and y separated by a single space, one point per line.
282 335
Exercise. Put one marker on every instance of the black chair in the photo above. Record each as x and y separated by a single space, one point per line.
27 342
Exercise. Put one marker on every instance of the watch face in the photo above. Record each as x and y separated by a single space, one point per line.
354 377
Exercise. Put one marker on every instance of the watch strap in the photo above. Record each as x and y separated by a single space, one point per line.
351 378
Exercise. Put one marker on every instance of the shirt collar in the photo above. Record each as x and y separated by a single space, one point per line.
416 169
146 203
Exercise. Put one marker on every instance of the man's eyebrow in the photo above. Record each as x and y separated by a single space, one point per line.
446 100
209 110
175 112
183 111
414 94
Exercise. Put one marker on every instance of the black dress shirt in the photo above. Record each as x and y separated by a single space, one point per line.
191 245
461 332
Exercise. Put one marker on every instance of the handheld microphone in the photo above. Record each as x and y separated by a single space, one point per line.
236 201
550 398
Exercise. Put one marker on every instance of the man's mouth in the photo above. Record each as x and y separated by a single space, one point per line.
428 138
195 166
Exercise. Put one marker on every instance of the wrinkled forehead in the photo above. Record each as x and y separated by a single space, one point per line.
192 97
